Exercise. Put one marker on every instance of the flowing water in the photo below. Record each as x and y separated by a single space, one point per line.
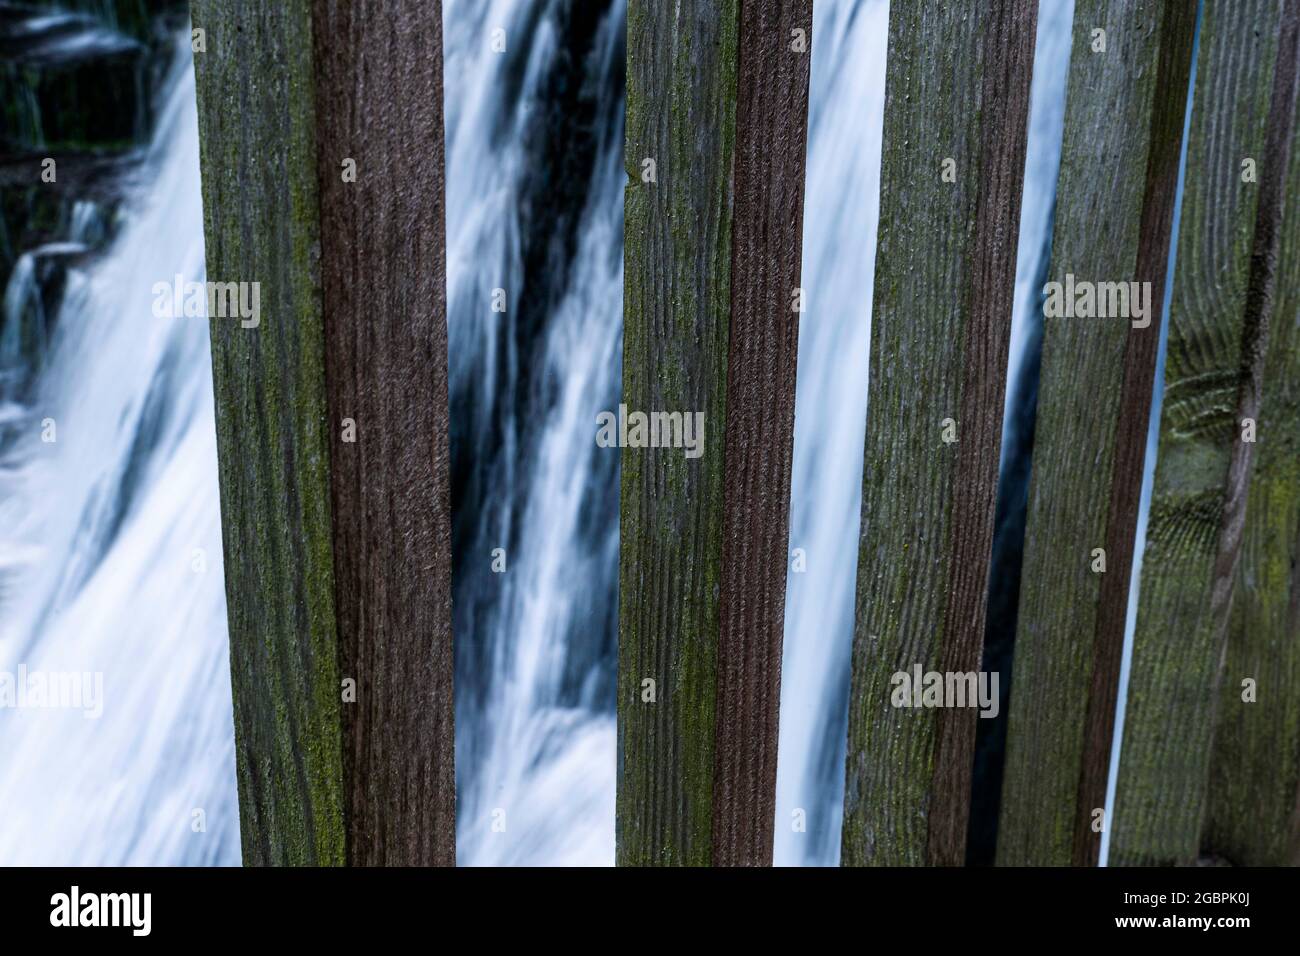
535 656
535 209
110 547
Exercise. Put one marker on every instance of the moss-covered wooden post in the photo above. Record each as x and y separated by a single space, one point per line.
322 161
1225 301
956 116
1125 105
1255 768
716 131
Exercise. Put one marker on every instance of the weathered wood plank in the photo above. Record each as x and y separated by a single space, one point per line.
256 134
383 275
1223 305
1115 198
1255 769
957 86
336 534
717 99
766 247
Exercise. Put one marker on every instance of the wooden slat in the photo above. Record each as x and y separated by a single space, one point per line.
1114 211
957 86
383 272
259 210
766 248
337 553
1225 298
1255 768
717 98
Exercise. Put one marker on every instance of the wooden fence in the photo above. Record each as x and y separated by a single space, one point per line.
332 430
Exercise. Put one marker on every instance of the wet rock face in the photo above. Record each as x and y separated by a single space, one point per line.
80 77
78 86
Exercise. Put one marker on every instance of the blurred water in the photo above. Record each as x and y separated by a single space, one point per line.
841 211
535 208
110 552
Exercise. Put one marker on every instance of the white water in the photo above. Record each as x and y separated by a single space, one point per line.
98 530
1042 164
528 746
841 214
535 709
101 532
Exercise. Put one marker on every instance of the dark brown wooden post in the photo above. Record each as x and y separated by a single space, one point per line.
1125 105
956 117
717 114
322 161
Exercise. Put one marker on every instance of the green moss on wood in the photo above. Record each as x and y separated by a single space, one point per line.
258 141
1115 195
1255 766
677 272
941 318
1160 802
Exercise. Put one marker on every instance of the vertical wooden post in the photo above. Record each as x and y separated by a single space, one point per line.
1255 768
1225 299
956 117
332 422
1125 104
716 132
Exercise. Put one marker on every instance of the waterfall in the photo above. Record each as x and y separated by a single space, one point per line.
110 540
841 212
534 209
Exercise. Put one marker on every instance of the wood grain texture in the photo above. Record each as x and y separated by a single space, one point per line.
336 554
1225 294
1255 767
383 274
957 85
718 100
766 245
676 298
260 213
1115 199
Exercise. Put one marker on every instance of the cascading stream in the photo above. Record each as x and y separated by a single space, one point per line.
535 656
111 543
535 209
